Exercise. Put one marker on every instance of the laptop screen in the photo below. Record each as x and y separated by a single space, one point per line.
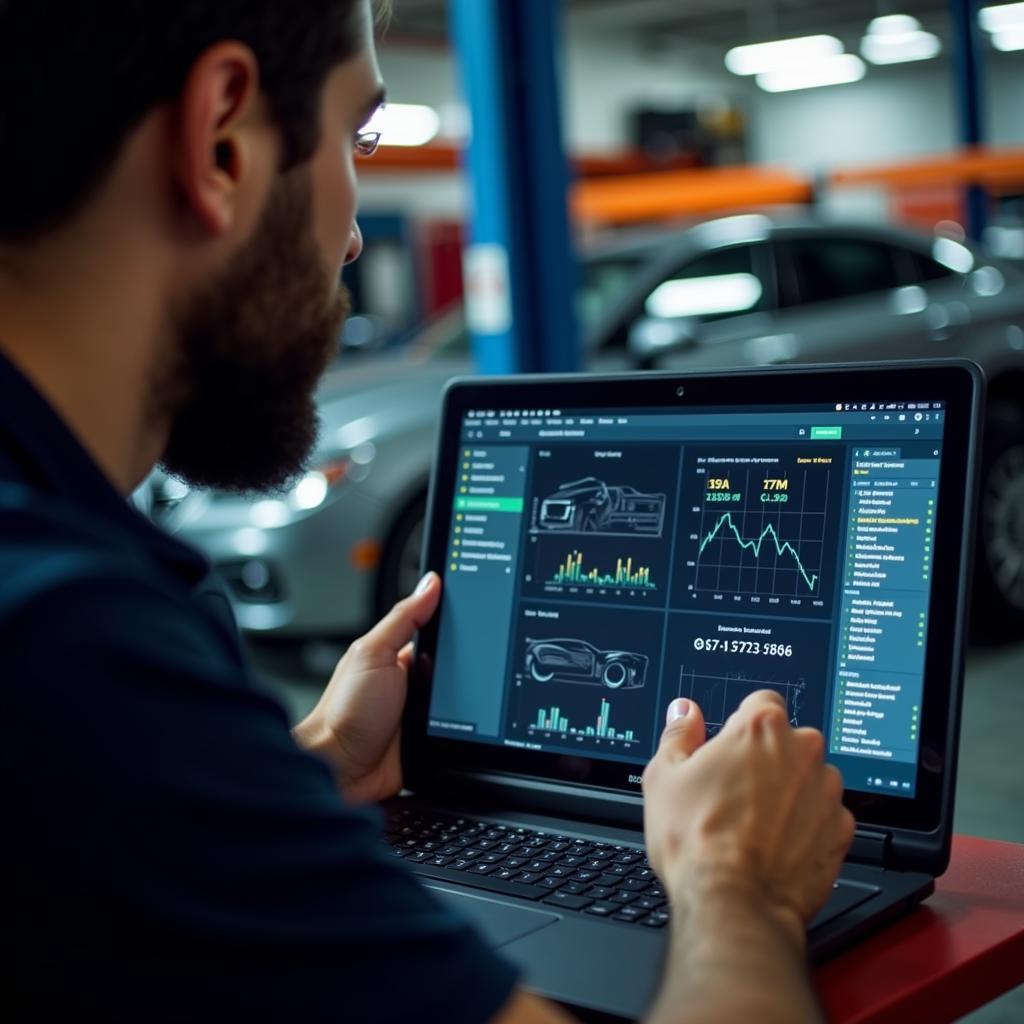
600 564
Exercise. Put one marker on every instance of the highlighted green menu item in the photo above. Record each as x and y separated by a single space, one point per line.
826 433
470 504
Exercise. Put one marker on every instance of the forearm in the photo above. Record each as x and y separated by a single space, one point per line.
732 959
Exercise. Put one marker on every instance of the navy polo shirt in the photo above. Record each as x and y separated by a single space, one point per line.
170 853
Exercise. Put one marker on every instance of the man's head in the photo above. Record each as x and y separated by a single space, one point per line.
228 128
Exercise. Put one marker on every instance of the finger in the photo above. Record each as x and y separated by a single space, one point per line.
760 699
400 624
405 657
684 730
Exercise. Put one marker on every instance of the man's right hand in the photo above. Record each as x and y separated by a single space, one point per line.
754 814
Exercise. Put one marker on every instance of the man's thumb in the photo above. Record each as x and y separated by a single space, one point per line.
684 729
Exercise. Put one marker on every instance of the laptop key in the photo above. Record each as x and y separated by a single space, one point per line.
568 901
622 897
585 876
649 904
483 869
530 877
602 909
656 920
634 885
551 883
576 888
611 881
599 892
630 914
489 882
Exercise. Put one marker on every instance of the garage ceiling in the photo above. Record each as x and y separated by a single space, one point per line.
720 23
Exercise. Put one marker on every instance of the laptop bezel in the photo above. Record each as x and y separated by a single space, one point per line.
919 826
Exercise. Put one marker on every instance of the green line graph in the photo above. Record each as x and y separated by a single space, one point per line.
781 546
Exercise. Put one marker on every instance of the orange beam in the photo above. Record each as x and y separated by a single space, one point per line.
981 166
686 193
444 157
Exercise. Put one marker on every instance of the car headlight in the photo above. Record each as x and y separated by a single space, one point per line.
313 486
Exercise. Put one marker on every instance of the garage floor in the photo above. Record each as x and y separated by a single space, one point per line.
990 791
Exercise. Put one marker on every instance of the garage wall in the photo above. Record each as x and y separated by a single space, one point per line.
894 113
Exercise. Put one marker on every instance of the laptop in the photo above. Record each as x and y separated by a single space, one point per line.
609 543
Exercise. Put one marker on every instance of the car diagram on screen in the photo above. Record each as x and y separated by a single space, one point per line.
590 505
576 661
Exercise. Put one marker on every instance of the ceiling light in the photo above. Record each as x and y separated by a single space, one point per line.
995 19
893 25
839 70
404 124
900 47
759 57
1007 39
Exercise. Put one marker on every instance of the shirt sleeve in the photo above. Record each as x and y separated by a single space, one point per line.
178 857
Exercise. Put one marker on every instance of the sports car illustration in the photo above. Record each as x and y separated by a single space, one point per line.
576 661
590 505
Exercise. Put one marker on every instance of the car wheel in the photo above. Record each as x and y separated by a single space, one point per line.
538 673
400 563
999 568
615 675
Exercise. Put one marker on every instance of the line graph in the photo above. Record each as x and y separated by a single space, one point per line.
781 546
762 530
718 696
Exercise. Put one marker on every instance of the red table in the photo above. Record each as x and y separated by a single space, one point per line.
961 948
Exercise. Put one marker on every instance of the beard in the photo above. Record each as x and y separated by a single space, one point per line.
249 350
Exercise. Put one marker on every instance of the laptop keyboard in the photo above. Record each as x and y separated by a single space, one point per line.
603 880
596 878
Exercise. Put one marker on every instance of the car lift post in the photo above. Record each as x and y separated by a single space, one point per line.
520 272
967 69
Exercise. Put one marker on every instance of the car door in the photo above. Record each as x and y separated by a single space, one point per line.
857 298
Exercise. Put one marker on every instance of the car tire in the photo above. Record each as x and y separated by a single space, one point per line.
615 674
538 674
998 603
400 563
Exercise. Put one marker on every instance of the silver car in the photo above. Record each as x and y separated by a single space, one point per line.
327 558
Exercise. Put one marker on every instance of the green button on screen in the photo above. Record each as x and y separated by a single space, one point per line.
826 433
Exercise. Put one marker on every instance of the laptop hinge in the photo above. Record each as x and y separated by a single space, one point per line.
870 847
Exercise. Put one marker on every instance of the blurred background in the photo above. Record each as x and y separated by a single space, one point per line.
636 184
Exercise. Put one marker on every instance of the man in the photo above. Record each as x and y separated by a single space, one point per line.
179 198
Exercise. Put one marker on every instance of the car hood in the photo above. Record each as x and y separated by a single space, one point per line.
357 403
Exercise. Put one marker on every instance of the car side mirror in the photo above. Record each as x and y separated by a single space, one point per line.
652 337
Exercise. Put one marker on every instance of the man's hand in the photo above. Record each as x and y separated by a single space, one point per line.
355 725
755 812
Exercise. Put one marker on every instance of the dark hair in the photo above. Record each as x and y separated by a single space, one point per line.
76 76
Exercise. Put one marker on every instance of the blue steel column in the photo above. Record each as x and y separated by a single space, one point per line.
519 181
967 68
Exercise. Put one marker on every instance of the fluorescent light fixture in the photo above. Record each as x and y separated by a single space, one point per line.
1002 16
1007 39
704 296
839 70
404 124
782 53
893 25
900 47
953 255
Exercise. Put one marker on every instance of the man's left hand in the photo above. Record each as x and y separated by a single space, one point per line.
355 726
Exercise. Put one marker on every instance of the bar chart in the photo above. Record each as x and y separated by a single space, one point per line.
626 575
553 720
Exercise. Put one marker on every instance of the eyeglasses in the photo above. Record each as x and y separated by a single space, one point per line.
366 143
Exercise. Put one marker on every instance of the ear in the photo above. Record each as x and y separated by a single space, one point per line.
221 135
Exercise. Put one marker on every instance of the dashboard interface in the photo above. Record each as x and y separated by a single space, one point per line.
600 564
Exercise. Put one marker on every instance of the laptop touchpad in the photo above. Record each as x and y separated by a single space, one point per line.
499 922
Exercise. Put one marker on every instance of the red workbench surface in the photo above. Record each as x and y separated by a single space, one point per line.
961 948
